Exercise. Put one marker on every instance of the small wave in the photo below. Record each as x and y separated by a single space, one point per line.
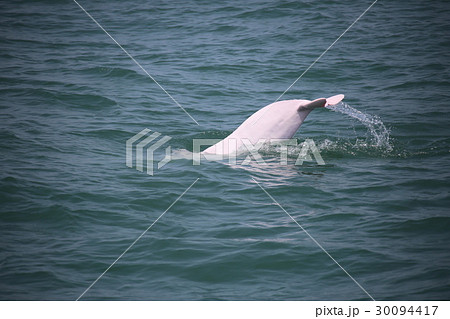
112 72
182 154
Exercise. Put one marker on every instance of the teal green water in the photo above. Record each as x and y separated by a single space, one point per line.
70 98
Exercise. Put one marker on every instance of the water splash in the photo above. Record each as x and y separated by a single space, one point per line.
378 132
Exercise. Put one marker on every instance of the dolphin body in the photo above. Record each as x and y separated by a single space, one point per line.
279 120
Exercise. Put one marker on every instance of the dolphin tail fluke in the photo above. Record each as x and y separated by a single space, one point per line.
334 99
322 102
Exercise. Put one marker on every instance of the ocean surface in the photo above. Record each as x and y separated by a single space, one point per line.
70 98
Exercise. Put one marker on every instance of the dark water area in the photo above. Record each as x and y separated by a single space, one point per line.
70 98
